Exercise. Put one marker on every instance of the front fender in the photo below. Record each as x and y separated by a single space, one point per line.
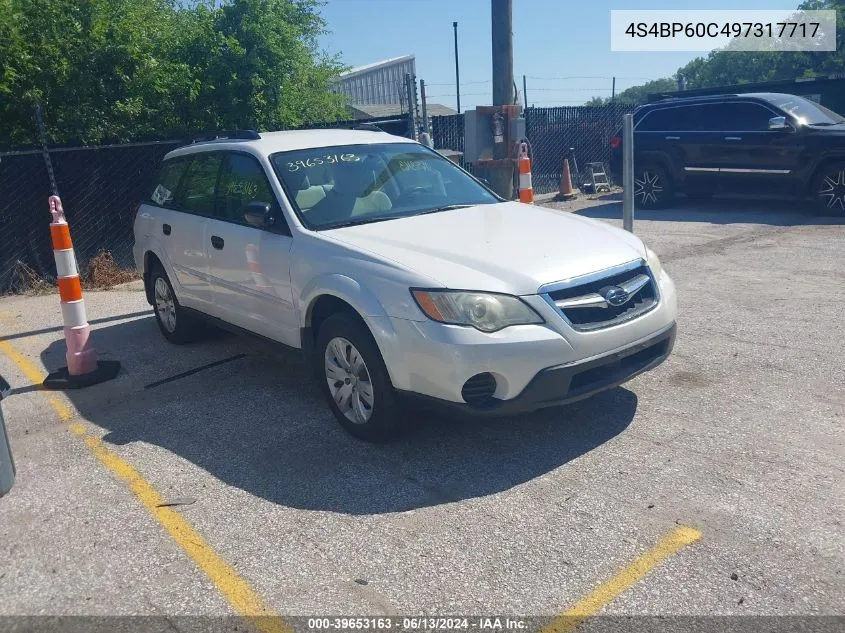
366 304
342 287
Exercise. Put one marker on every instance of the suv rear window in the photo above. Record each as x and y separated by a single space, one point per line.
167 181
666 120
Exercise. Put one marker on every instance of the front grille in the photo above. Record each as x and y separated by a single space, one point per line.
593 318
478 390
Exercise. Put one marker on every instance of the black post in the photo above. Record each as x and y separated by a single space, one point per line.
613 91
457 68
54 189
424 107
524 92
409 90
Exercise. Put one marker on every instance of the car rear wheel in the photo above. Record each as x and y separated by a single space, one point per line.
828 190
652 187
354 379
177 326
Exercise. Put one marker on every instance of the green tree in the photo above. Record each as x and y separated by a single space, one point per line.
125 70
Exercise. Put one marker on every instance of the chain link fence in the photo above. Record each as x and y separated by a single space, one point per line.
579 133
100 189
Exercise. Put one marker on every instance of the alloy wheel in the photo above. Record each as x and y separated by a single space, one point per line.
648 188
832 190
349 380
165 305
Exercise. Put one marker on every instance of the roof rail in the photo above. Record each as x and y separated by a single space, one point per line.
232 135
368 126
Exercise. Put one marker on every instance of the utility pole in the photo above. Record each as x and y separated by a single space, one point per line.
501 12
613 91
457 68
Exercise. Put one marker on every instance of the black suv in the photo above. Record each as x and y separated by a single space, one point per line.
742 143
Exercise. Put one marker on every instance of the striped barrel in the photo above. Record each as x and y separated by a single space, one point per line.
526 191
81 357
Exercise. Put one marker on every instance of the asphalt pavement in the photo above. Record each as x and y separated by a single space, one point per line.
246 494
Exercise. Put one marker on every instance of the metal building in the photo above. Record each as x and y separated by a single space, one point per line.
378 83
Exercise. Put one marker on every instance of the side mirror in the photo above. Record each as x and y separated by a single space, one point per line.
779 123
259 214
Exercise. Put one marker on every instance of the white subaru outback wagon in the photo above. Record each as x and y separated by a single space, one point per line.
398 275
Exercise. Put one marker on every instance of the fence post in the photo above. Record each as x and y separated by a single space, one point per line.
424 108
409 90
628 172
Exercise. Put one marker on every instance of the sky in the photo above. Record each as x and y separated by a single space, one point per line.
562 46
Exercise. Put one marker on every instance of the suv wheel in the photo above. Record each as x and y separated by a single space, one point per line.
174 323
652 187
354 379
828 190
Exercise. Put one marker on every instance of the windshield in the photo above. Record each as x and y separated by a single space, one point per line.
807 112
356 184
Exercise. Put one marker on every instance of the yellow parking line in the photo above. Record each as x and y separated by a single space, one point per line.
625 579
235 589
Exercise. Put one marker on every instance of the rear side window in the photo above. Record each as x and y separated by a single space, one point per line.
199 184
668 120
167 181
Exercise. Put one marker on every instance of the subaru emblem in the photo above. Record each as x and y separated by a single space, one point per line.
616 296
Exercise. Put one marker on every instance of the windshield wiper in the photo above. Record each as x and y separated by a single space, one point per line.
342 225
445 207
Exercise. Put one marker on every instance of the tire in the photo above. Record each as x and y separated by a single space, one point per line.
828 190
173 321
652 187
344 343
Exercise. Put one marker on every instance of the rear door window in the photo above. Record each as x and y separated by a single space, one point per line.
676 119
198 189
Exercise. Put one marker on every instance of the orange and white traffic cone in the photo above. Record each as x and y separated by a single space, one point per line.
82 369
526 192
565 192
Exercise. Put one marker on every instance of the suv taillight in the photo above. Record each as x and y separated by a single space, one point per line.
615 142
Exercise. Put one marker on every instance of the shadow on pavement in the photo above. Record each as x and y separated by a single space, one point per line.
774 212
258 423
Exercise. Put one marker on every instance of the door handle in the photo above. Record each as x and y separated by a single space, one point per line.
217 242
733 138
673 138
165 228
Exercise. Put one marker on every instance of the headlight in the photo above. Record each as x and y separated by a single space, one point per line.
653 263
484 311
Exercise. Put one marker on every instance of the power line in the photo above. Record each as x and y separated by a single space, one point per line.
571 89
607 77
463 83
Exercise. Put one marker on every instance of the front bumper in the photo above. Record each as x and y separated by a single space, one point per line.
567 383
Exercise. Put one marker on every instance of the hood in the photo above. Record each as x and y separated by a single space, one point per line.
505 247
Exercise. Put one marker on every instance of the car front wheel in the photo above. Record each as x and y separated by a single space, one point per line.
829 190
354 379
652 187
